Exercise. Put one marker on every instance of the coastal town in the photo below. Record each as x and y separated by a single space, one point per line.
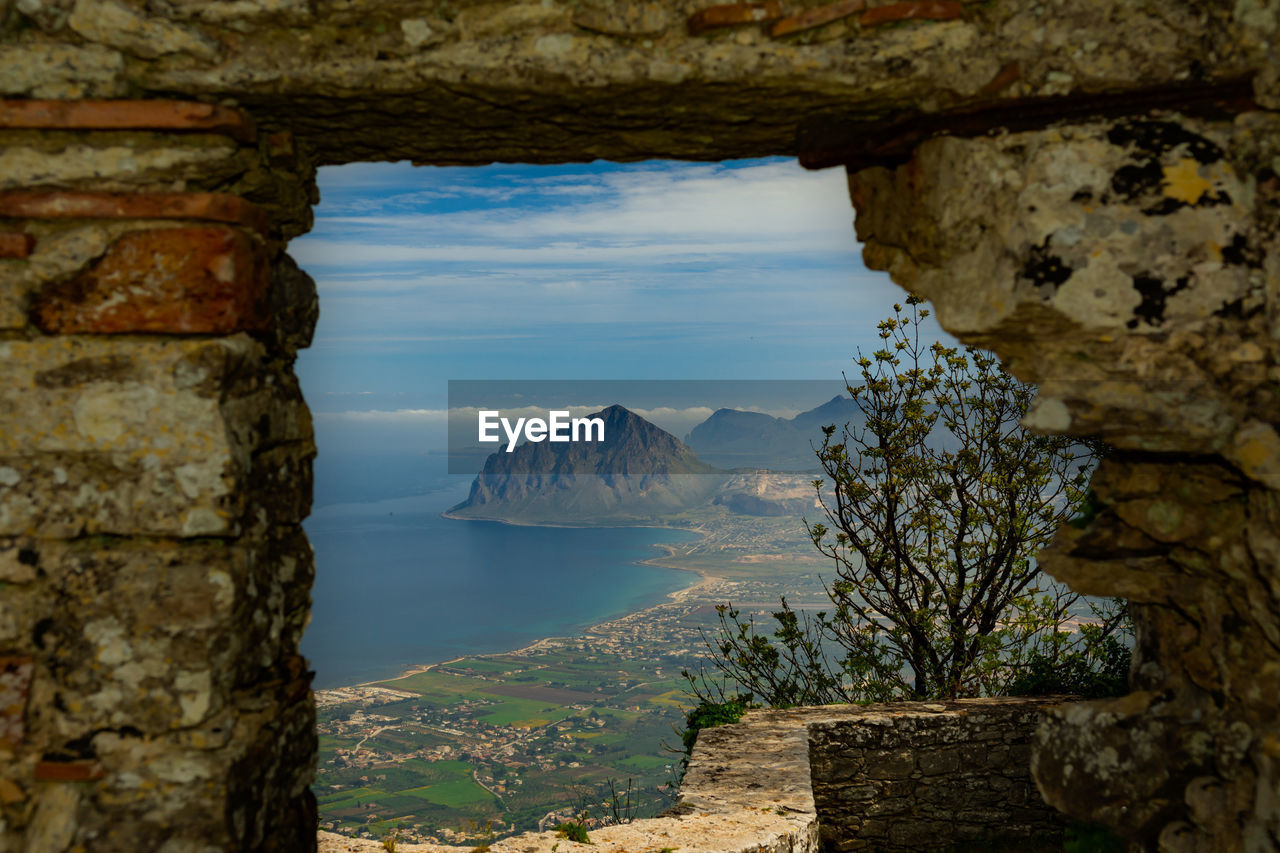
583 728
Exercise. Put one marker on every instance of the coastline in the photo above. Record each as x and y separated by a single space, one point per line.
527 699
703 581
647 524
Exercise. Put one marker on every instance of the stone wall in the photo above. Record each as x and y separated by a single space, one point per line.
912 776
903 776
154 467
1131 269
441 81
1091 188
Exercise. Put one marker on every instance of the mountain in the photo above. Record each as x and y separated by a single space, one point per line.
735 439
838 410
638 473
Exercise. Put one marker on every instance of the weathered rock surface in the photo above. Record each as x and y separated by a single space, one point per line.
330 842
109 436
1129 268
1125 258
554 81
154 465
915 776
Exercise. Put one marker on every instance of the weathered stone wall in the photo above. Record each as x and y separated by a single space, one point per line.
912 776
1131 268
443 81
154 467
153 443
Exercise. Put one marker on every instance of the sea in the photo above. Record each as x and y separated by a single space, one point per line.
397 585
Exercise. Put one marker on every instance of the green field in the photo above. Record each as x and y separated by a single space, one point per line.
485 667
645 763
521 712
546 729
455 795
559 754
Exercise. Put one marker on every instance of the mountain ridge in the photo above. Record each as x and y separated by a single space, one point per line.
735 439
639 472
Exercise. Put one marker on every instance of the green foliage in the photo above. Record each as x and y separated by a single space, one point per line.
1094 669
1088 510
486 836
1087 838
573 831
708 714
390 840
938 502
619 804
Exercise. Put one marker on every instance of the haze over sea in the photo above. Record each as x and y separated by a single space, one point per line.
397 585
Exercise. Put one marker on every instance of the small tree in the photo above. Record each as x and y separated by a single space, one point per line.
935 506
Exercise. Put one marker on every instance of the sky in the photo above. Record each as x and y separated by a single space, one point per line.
745 270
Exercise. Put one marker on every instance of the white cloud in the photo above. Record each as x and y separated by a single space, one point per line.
578 189
341 253
677 246
624 216
601 271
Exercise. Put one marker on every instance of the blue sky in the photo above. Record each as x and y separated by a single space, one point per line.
743 270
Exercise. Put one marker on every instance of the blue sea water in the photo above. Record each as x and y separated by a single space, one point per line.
397 585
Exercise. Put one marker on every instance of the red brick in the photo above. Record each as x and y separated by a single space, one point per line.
15 244
933 10
811 18
1005 77
59 204
69 771
733 14
207 280
187 116
15 686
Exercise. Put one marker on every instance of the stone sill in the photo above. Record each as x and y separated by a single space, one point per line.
747 790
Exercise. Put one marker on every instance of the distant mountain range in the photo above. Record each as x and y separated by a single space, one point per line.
642 473
735 439
639 472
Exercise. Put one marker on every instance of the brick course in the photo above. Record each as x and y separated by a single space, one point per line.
59 204
15 244
40 114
